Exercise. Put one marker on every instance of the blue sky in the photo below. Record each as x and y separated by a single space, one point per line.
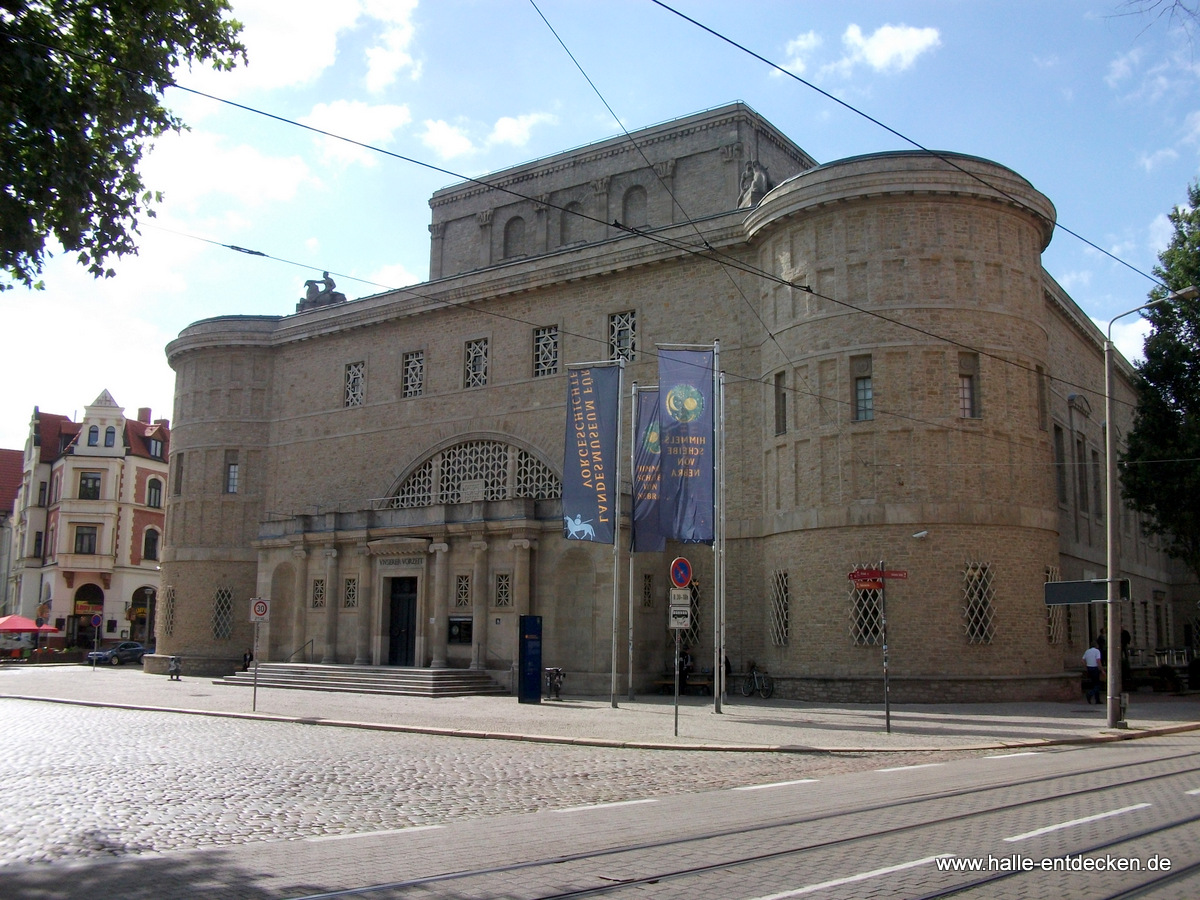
1095 103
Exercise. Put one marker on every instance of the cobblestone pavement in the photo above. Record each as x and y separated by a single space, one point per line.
82 783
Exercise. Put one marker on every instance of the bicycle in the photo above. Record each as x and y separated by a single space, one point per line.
758 681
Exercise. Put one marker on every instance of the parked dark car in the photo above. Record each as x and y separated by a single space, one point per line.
124 652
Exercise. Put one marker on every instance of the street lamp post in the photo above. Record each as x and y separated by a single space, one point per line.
1112 562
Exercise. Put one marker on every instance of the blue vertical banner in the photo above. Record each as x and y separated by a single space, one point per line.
590 485
686 416
647 475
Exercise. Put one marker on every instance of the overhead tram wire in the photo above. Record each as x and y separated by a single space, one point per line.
858 112
706 250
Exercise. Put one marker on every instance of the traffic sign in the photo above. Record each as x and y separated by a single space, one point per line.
865 575
1063 593
96 620
681 617
260 610
681 572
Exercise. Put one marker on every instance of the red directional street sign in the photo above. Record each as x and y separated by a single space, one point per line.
900 574
681 572
865 575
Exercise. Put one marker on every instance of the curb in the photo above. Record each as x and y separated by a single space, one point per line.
1106 737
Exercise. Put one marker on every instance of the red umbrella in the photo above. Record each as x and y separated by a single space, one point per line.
21 625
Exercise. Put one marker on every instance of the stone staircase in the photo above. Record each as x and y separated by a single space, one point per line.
368 680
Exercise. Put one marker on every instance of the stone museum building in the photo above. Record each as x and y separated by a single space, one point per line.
906 389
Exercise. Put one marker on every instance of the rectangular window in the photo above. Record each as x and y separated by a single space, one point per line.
1060 463
318 593
462 590
89 485
222 615
979 610
504 596
968 385
231 471
475 363
1081 474
156 448
780 601
154 493
622 335
85 538
356 384
780 402
1097 490
350 594
648 591
37 544
864 390
41 494
545 351
178 464
414 373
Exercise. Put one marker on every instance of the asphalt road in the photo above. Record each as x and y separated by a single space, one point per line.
138 804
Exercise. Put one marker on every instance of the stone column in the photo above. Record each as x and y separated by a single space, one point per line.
600 192
484 220
441 604
479 604
542 220
437 231
366 611
521 550
333 600
300 603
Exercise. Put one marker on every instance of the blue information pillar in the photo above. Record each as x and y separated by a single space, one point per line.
529 681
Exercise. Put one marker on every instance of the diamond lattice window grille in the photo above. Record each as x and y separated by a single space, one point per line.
866 611
350 594
222 614
622 335
318 597
545 351
485 461
356 383
414 373
504 589
979 609
475 363
1056 616
166 619
648 591
535 479
779 607
475 463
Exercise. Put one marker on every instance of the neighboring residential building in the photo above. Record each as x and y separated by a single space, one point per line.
906 390
11 464
89 524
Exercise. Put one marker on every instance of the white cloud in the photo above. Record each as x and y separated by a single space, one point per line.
508 130
889 47
394 276
1072 281
196 165
1122 68
358 121
799 49
1151 161
447 140
1159 233
1128 335
1191 125
391 55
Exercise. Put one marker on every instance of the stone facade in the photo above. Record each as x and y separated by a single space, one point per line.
387 470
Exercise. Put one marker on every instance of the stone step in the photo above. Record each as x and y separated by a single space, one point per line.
410 682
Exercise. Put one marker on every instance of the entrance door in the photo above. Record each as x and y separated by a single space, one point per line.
402 632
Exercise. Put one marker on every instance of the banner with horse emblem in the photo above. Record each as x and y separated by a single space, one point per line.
685 387
590 454
647 475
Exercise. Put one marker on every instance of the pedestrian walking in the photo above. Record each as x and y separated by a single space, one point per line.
1095 672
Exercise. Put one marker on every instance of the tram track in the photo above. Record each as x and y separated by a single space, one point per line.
665 846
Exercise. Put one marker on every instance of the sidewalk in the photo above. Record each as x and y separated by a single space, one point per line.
744 724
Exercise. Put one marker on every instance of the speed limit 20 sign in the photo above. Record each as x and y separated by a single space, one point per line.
260 609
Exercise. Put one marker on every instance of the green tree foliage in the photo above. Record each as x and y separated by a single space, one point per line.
80 90
1160 471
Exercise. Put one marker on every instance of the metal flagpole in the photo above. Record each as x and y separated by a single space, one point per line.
722 582
616 608
633 423
718 475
